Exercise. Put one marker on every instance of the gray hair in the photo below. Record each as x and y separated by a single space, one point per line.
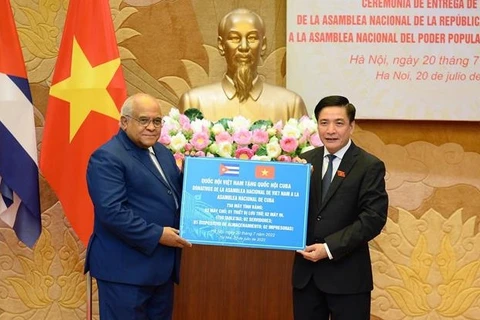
130 102
127 107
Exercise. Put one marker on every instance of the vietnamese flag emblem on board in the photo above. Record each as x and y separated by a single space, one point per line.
265 172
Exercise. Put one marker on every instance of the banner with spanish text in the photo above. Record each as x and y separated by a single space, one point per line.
394 60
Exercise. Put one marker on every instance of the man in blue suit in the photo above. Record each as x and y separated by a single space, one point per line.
332 276
135 186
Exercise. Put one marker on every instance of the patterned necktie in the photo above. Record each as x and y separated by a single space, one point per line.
327 178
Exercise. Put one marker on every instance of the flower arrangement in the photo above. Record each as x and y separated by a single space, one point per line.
189 134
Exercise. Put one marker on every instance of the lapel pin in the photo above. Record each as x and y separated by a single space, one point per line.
341 173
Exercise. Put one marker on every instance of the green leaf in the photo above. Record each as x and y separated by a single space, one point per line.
262 151
259 124
193 114
224 122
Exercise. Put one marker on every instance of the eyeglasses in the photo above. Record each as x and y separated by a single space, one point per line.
144 121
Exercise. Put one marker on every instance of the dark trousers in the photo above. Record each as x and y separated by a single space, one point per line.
123 301
310 303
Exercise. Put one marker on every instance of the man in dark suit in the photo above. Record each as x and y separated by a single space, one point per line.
135 186
332 276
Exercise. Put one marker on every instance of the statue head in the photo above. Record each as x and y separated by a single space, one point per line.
242 41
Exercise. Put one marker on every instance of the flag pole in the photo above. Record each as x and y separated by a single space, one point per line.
89 295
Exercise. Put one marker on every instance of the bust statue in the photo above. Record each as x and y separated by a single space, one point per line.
242 41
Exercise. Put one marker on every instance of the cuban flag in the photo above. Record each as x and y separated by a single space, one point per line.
229 169
19 190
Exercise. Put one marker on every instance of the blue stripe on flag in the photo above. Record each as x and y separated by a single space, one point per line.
18 155
23 85
20 173
230 169
20 199
7 194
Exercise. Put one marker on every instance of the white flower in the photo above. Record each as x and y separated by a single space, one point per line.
182 135
292 122
224 149
308 124
170 125
273 148
291 130
178 142
198 125
239 123
217 128
261 158
213 149
174 113
273 140
271 131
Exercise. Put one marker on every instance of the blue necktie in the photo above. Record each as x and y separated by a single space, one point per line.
327 178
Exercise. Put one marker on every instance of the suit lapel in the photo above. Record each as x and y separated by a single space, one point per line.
346 165
316 183
142 155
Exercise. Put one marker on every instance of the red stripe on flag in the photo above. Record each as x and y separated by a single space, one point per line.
9 44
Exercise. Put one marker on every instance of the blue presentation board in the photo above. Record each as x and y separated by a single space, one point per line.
245 203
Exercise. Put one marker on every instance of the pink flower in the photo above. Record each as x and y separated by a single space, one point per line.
304 137
242 137
237 137
284 158
289 144
200 140
184 122
179 157
223 137
244 153
167 128
165 139
259 136
278 126
315 140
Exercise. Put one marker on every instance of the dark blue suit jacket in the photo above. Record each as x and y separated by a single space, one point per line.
132 204
354 212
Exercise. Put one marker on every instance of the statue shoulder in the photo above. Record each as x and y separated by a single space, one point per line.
294 105
195 97
281 91
205 89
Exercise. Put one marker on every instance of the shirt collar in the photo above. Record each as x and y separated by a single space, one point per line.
340 153
230 91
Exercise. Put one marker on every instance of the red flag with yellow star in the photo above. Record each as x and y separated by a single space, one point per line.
86 94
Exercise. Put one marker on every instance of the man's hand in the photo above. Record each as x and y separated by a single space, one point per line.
300 160
171 238
314 252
